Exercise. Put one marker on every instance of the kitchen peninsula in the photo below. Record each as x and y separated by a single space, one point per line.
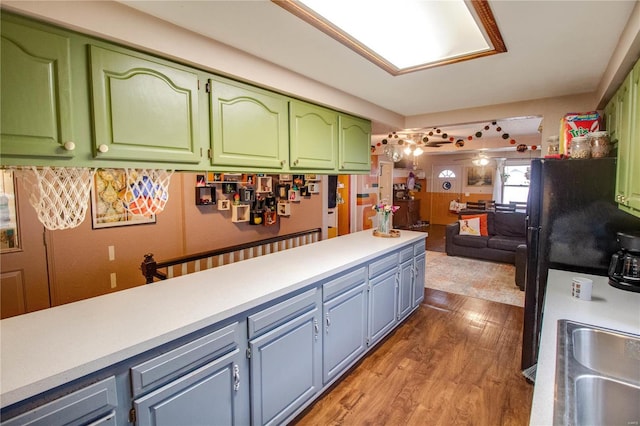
261 328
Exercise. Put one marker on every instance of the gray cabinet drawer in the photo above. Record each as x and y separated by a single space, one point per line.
94 404
280 313
406 254
383 264
166 367
419 248
343 283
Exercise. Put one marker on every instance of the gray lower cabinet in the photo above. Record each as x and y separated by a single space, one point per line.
95 404
419 279
383 297
203 382
345 314
405 282
286 357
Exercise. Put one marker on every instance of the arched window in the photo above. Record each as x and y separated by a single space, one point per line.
447 174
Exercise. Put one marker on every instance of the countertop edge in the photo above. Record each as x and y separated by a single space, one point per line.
19 331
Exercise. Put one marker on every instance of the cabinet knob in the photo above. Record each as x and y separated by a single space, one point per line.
283 162
103 148
69 146
295 163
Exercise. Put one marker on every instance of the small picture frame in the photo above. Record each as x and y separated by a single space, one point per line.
249 179
270 218
224 204
304 191
285 178
264 184
205 195
298 181
283 190
215 177
201 180
314 187
310 177
247 195
294 195
229 187
284 208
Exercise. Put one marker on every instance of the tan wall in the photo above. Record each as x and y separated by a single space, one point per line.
79 264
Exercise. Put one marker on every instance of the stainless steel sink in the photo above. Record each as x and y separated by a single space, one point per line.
597 376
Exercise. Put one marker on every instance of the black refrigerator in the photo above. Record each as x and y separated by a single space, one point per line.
572 221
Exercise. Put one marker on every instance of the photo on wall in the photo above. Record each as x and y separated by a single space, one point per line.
479 176
108 201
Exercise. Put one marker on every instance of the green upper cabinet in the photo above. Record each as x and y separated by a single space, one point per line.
249 127
143 108
313 137
35 78
355 144
628 173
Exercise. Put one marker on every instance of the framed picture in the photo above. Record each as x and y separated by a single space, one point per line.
249 179
224 204
215 177
283 190
229 187
107 201
298 181
285 177
314 187
201 180
294 195
479 176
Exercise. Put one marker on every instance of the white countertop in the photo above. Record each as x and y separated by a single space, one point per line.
44 349
610 308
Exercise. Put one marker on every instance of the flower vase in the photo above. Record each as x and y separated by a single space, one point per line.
384 222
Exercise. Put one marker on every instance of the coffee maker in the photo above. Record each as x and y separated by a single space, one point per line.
624 269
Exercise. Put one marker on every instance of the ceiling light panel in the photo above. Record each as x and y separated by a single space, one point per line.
405 35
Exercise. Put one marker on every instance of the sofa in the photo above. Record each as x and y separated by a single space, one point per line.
505 242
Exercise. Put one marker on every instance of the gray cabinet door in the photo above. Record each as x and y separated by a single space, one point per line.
383 304
206 396
419 277
405 289
286 368
345 330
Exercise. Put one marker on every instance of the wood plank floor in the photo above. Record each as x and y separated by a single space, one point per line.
456 361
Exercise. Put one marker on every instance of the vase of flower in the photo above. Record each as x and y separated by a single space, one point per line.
384 215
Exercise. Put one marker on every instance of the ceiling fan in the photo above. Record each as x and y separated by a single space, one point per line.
478 160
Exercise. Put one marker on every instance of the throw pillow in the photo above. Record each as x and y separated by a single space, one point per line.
470 226
484 231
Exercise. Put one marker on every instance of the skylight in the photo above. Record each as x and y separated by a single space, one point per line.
405 35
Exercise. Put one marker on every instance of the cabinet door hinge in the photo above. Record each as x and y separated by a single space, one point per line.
132 415
198 84
201 152
249 353
210 153
207 87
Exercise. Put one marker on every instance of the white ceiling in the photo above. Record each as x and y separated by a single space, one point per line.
555 48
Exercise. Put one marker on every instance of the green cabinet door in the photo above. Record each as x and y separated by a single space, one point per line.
143 110
631 203
313 137
35 80
248 127
611 119
623 130
355 145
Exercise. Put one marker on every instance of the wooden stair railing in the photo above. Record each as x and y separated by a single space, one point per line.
152 269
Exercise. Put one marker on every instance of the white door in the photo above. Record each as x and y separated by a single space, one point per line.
446 186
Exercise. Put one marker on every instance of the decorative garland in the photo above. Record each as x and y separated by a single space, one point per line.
436 137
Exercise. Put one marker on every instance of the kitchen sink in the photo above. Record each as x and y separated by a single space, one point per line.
601 401
597 376
613 354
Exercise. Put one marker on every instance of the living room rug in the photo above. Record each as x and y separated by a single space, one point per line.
473 277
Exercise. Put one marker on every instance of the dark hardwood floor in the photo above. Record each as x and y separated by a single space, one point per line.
436 238
456 360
